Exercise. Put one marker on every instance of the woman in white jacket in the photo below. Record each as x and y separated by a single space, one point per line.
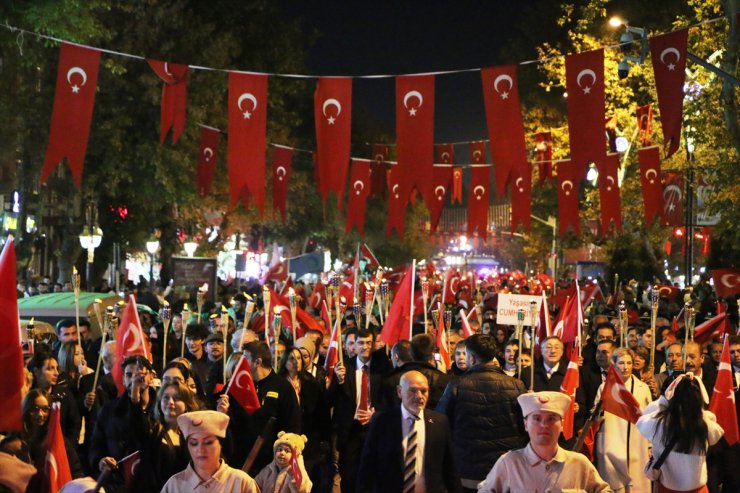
680 417
621 452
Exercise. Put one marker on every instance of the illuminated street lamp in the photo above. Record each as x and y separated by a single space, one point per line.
190 247
90 239
152 246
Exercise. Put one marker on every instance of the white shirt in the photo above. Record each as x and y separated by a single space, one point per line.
409 422
551 370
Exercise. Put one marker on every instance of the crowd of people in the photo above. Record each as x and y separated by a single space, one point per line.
380 419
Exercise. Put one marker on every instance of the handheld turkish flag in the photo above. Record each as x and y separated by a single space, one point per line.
335 345
11 353
722 403
397 322
396 204
668 53
281 304
584 81
174 97
479 201
130 341
317 296
357 202
564 316
609 193
652 188
281 161
705 331
74 100
333 121
207 158
241 387
347 288
570 383
414 133
617 399
278 272
441 179
441 339
295 468
726 281
451 285
369 257
245 150
467 330
56 465
128 465
505 124
569 184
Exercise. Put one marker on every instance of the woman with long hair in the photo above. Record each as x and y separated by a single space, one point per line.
621 451
680 421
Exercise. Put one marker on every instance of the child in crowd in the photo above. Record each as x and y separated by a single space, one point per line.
278 476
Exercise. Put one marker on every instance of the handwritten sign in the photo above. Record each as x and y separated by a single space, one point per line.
509 305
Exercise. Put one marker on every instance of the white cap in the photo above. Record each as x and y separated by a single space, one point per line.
206 422
555 402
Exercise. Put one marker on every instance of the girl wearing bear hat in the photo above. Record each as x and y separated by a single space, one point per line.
277 476
205 431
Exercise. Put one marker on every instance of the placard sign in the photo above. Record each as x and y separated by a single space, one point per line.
192 272
509 304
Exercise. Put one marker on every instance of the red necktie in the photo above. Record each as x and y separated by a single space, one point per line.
364 389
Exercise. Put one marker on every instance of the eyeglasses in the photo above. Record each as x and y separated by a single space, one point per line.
38 409
552 348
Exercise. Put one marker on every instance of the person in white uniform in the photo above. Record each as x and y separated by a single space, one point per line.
542 466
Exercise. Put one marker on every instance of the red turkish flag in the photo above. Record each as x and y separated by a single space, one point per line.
441 338
74 99
609 192
722 403
726 281
360 180
295 468
378 170
617 399
652 188
668 53
56 464
241 387
11 353
444 153
207 159
281 160
368 256
451 285
467 330
543 149
396 204
128 465
335 344
333 121
505 124
673 199
645 123
277 272
584 81
282 303
247 103
397 323
570 383
441 180
456 196
569 183
706 331
414 134
478 201
317 296
130 341
173 107
521 199
477 152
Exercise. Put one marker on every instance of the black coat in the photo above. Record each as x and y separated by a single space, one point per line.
381 465
437 383
485 417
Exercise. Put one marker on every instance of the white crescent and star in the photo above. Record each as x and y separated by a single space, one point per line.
362 186
440 191
52 462
653 172
445 157
395 190
336 104
248 96
238 379
507 78
567 190
166 69
208 153
132 329
482 191
409 95
81 73
280 171
610 183
581 74
477 155
380 158
725 280
135 465
670 49
670 205
617 397
520 187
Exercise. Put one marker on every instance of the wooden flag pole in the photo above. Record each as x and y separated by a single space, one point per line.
411 300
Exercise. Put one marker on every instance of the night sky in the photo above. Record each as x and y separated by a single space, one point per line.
401 37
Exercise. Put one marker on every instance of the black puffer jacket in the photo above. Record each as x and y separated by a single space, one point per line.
485 417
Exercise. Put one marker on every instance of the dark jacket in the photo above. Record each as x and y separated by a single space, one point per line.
485 417
437 383
381 466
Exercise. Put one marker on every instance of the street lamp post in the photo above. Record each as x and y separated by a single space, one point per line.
152 246
90 239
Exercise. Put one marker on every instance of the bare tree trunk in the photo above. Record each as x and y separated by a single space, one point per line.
729 65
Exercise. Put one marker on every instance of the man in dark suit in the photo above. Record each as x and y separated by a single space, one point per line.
354 395
409 448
